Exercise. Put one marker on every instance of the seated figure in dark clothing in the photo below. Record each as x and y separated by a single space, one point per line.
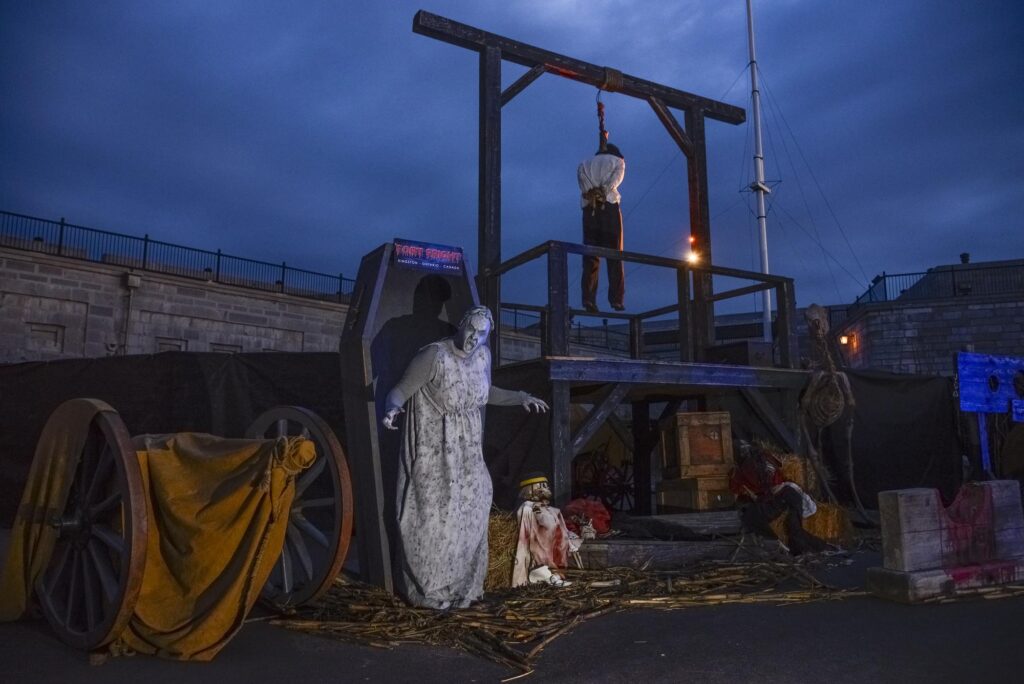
763 495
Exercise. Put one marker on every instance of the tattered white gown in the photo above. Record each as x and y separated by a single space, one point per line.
444 488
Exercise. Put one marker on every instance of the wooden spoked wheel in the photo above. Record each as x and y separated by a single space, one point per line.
320 520
90 587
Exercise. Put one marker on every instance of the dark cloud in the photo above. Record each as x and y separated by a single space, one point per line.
311 133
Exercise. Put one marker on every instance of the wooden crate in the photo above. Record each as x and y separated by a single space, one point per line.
695 493
689 471
696 445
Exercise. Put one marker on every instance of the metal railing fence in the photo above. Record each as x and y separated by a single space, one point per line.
937 283
90 244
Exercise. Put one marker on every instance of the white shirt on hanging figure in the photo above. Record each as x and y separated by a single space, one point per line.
605 171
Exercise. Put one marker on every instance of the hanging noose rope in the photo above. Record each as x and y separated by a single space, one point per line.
612 82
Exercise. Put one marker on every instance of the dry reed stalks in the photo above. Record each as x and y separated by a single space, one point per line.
531 617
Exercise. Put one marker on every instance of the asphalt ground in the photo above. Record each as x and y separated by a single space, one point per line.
861 639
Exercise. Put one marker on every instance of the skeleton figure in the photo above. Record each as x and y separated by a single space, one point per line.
544 540
826 398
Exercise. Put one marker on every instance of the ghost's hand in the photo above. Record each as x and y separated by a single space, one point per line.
532 403
391 416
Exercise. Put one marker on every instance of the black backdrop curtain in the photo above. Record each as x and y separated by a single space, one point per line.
905 426
168 392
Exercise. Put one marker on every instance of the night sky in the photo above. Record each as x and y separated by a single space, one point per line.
311 132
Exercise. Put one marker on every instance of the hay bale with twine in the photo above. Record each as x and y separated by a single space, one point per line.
502 539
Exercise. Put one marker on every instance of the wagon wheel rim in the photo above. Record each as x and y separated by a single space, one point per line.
91 584
320 519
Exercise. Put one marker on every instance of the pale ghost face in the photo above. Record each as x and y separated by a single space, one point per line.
472 334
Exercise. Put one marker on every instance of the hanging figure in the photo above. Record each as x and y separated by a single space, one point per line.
444 488
599 179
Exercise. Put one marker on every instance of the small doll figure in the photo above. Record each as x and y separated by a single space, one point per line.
544 541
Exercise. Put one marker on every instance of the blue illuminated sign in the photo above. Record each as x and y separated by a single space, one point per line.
427 256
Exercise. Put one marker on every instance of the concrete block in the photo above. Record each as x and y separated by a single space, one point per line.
912 587
918 533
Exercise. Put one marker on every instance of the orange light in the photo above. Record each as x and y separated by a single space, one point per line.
844 339
692 239
693 257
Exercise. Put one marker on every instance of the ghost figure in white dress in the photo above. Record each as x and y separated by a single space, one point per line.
444 488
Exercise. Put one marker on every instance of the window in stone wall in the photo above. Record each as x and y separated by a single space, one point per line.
171 344
45 337
225 348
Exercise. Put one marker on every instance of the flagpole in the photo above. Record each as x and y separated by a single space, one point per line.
758 186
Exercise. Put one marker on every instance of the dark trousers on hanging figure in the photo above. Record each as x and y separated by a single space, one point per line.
603 228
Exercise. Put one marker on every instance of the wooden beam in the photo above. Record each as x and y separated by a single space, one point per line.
598 415
766 413
661 311
520 259
472 38
693 375
638 258
600 314
522 82
740 291
672 126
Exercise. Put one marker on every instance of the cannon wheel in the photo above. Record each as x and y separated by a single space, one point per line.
89 588
320 521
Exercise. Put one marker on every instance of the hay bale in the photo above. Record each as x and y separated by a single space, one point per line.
797 469
830 523
502 539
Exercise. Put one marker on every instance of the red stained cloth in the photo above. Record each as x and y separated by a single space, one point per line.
543 540
591 509
755 478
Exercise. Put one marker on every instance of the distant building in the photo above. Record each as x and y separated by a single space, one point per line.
917 322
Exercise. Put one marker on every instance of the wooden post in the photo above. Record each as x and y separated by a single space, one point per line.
545 334
643 475
561 443
685 315
558 301
700 231
489 212
636 338
785 303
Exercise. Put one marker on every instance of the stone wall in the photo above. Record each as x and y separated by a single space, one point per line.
923 337
53 307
